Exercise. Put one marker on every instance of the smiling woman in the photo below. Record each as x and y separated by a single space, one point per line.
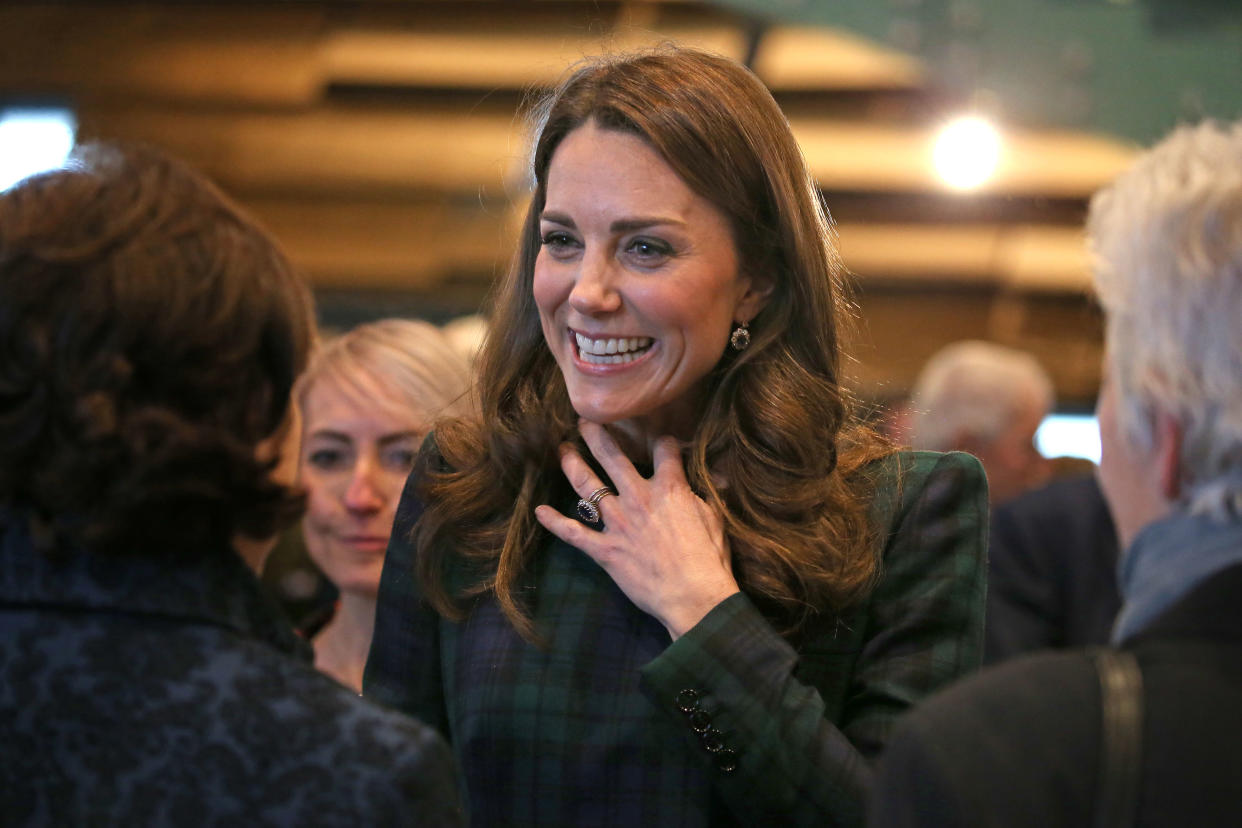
668 578
367 401
637 284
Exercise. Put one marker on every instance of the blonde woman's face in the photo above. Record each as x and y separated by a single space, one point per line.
354 461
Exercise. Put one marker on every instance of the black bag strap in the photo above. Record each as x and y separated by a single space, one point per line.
1121 746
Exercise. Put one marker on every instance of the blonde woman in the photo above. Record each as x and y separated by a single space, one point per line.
367 401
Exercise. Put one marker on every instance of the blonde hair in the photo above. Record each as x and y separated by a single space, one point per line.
411 363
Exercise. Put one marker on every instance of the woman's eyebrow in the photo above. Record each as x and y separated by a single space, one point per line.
642 223
399 436
330 434
558 218
626 225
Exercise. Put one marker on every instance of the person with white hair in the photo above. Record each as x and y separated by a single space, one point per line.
1037 741
987 400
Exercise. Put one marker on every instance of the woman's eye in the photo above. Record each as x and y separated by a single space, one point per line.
327 459
401 459
649 250
559 243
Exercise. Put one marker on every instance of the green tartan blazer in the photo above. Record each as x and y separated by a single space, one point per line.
610 723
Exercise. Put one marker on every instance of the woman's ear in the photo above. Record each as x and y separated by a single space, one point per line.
754 296
1168 456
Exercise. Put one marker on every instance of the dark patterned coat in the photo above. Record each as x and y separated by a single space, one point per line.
143 692
611 724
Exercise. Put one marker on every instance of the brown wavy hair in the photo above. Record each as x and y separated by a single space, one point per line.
150 334
776 426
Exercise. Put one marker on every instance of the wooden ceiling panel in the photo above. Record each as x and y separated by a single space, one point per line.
412 245
928 252
190 53
1045 260
868 156
334 149
1023 257
352 147
504 57
793 58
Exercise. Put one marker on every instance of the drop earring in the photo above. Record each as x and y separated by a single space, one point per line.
740 340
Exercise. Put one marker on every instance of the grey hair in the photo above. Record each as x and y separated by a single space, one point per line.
414 363
977 389
1166 238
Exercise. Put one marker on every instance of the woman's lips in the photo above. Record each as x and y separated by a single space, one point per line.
601 351
366 542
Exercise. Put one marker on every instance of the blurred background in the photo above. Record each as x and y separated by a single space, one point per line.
956 142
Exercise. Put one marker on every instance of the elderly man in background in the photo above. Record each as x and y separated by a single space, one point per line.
1051 548
987 400
1037 741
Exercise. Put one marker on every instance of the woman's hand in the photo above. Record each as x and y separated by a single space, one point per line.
661 543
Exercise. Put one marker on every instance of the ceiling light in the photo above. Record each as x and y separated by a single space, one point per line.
966 152
33 140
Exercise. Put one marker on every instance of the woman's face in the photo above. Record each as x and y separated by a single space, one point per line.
637 281
355 458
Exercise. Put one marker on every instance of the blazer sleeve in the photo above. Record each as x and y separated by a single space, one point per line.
781 753
404 666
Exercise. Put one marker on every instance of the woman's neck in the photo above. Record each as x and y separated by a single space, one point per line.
341 647
637 436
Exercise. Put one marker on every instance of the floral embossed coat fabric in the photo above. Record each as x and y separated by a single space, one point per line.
151 692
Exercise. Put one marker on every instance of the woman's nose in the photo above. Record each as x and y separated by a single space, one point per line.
364 494
595 285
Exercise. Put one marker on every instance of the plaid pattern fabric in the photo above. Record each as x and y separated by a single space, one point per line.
609 723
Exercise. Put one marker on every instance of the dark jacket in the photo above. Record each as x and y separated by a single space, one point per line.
590 728
1052 571
1018 745
143 692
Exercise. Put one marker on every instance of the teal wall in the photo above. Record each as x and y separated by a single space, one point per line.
1134 68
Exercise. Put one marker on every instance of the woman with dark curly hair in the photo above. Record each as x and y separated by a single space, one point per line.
149 338
668 579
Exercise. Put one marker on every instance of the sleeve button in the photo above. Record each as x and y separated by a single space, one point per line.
700 721
726 760
713 741
688 700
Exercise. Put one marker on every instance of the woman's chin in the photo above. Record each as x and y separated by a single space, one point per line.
602 414
366 589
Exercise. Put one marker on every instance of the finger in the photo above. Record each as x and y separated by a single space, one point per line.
579 474
570 531
668 463
608 453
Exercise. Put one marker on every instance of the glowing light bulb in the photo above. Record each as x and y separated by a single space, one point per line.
33 140
966 152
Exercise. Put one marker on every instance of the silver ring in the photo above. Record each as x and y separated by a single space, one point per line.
588 508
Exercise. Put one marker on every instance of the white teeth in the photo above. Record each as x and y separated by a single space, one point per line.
611 351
